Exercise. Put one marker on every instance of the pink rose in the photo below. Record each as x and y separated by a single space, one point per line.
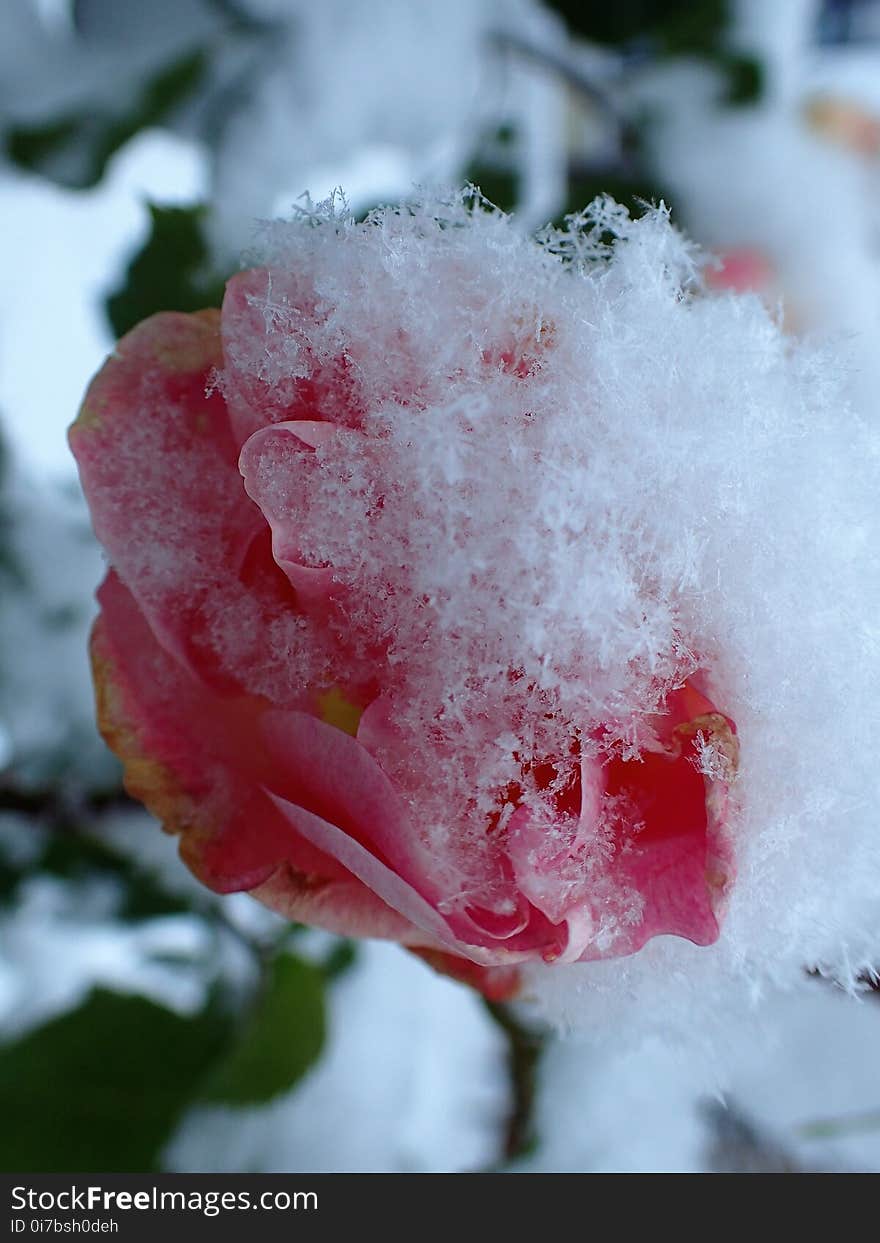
277 691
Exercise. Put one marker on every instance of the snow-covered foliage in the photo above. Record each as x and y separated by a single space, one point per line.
793 176
287 96
410 1082
46 609
319 114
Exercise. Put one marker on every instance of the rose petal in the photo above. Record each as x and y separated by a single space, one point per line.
497 984
159 468
193 757
262 389
376 875
277 465
665 867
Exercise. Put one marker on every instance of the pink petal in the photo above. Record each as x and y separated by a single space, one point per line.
195 759
159 468
262 390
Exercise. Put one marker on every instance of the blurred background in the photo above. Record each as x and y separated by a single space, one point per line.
144 1022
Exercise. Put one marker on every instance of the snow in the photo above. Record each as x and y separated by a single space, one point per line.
47 73
319 107
412 1077
803 1087
47 722
599 476
70 249
412 1080
61 939
762 177
800 1083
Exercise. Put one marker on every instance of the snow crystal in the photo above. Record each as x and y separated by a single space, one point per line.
571 478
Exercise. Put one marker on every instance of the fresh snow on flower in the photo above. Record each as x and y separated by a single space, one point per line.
600 481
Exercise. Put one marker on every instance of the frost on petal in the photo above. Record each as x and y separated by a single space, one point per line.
262 389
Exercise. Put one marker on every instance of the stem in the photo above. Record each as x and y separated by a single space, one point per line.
524 1048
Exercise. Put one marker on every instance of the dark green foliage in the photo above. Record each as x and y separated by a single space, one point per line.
497 184
282 1037
101 1087
9 878
671 26
632 191
745 78
341 958
169 273
33 147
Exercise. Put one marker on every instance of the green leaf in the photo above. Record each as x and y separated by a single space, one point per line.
659 28
745 79
674 26
9 878
162 94
101 1087
169 273
281 1039
341 958
34 146
74 150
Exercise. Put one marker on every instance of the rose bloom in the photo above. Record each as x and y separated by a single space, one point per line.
345 649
